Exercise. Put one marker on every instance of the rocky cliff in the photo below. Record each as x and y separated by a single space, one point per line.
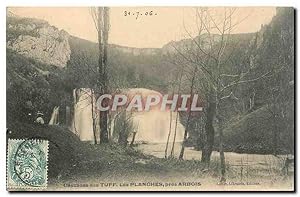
36 39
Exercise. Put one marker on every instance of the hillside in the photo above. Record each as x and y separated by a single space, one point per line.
253 133
269 122
42 71
73 160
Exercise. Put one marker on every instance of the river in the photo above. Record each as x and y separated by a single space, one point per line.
233 159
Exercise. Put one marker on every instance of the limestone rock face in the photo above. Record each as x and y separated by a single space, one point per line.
35 38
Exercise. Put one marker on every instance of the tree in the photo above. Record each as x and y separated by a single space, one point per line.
209 56
123 127
82 67
192 85
101 20
178 74
276 52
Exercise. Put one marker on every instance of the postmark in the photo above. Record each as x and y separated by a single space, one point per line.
27 161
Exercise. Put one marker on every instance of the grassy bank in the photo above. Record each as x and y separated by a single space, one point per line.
69 158
72 161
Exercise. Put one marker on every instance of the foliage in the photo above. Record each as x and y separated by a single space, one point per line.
33 86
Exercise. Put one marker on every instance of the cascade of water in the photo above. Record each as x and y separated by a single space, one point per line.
54 116
82 122
152 126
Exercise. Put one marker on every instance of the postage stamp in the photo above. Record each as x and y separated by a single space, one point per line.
27 161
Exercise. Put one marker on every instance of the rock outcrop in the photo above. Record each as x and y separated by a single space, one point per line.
36 39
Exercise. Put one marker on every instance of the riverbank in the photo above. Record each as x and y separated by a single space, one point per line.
73 163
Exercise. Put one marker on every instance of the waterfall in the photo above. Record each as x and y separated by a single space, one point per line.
82 121
152 126
54 116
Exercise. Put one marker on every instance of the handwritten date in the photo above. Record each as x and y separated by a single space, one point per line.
138 14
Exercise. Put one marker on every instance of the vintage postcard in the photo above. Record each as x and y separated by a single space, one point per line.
150 98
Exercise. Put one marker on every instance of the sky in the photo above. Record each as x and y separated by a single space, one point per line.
164 25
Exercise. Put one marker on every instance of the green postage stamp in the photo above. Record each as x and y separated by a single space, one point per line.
27 163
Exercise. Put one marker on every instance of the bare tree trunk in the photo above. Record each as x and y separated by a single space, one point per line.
170 129
175 133
133 138
185 136
221 136
94 119
222 155
103 29
209 133
275 135
176 120
189 116
109 127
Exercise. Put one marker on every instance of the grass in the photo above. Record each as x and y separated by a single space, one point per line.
69 157
73 161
